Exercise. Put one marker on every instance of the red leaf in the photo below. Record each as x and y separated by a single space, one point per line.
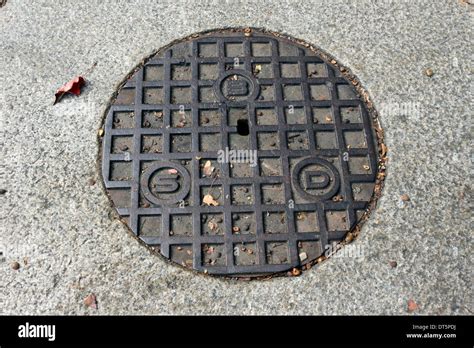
73 86
91 301
411 306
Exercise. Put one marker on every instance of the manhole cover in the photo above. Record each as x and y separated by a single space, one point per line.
241 153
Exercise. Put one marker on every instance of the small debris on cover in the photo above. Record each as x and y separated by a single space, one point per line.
209 200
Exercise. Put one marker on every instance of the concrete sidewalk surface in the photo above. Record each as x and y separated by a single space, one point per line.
413 256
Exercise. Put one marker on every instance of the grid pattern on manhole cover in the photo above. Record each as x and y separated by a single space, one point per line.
239 155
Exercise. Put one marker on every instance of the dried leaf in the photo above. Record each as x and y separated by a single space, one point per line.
73 86
405 197
208 168
172 171
91 301
209 200
411 306
212 225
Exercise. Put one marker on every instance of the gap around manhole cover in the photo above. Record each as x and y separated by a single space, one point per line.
242 153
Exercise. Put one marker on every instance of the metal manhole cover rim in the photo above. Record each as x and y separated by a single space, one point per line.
380 148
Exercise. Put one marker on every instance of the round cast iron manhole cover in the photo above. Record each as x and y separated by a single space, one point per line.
242 153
